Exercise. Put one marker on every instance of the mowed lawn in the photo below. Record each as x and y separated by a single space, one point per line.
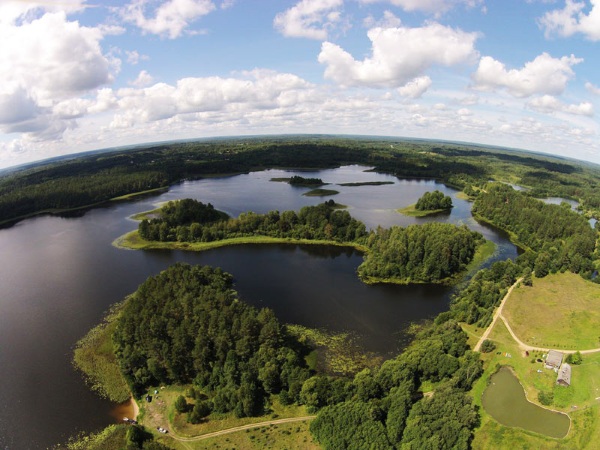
559 311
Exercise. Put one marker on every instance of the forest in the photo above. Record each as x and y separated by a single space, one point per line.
431 201
99 177
558 238
187 325
429 253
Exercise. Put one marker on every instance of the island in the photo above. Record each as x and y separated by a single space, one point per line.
430 203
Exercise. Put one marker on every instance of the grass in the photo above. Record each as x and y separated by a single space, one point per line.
94 356
320 192
559 311
413 212
112 437
585 388
133 241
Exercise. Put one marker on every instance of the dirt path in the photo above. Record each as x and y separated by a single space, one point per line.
497 314
240 428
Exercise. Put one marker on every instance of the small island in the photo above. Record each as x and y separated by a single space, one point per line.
430 203
320 193
297 180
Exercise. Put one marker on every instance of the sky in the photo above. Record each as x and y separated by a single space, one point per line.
79 75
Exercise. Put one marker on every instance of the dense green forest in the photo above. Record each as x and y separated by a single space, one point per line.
99 177
419 253
187 325
559 239
431 201
321 222
427 253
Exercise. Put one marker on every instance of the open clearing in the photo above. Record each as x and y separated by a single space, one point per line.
559 311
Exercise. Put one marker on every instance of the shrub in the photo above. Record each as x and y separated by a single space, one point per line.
487 346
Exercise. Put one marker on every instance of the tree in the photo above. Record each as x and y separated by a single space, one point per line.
181 405
200 411
487 346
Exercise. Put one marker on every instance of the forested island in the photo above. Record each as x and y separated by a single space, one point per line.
187 330
430 253
430 203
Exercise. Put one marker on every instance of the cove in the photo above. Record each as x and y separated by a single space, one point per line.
504 399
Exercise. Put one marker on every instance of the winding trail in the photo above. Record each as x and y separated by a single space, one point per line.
240 428
497 314
522 345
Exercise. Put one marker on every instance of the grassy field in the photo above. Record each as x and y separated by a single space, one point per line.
581 400
412 211
94 356
559 311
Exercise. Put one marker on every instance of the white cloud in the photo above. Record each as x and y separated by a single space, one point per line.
309 19
399 55
592 88
12 10
47 60
143 79
256 90
572 19
170 19
435 7
543 75
134 57
415 88
548 104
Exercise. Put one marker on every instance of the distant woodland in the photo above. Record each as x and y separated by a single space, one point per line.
88 180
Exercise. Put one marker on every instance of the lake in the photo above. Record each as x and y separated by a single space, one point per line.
504 399
60 275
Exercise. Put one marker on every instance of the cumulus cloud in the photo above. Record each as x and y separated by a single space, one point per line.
415 88
45 60
572 19
399 55
435 7
170 19
309 19
549 104
543 75
255 90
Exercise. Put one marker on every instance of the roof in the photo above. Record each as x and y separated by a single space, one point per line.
554 358
564 375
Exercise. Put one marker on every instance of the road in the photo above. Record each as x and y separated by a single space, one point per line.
240 428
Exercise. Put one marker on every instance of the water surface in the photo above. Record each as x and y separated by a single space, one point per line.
504 399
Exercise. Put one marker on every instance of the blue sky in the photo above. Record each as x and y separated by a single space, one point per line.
79 75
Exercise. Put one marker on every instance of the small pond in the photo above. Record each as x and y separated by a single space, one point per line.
504 399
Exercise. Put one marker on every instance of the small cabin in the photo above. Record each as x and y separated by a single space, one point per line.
564 375
554 360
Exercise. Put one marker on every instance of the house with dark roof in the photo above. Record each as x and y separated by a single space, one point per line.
564 375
